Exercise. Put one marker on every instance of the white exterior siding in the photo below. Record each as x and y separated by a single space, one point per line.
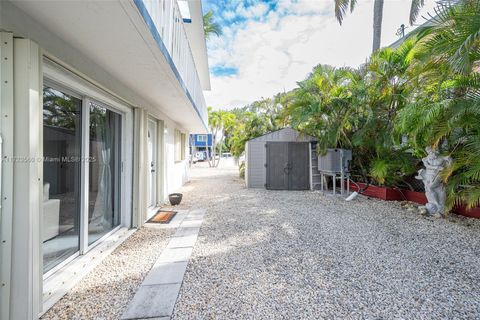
256 164
99 67
176 171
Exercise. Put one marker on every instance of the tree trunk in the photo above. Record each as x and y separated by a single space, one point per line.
209 154
211 162
377 24
220 153
210 151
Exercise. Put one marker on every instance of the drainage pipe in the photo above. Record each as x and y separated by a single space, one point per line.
356 193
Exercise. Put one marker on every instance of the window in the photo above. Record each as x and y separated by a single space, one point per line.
64 219
180 141
202 138
184 139
178 145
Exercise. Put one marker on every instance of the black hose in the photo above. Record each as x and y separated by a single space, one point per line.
360 190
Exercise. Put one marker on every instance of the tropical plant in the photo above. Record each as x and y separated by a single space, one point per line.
356 109
210 26
445 112
415 10
425 93
242 170
254 120
60 110
221 123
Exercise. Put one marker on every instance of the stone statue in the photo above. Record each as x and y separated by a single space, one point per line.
434 186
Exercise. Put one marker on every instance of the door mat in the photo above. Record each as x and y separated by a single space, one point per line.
162 216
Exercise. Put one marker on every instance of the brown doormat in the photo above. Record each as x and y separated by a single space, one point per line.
162 216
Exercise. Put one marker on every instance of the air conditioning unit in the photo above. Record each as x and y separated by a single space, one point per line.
335 161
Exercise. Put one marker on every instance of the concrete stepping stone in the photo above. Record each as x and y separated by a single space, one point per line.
182 232
182 242
153 301
156 297
166 273
175 255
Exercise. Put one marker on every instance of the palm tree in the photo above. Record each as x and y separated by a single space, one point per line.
221 123
377 24
210 26
447 115
342 6
415 10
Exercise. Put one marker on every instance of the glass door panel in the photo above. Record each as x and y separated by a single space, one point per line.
104 171
61 176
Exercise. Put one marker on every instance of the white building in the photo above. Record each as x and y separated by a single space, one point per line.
97 100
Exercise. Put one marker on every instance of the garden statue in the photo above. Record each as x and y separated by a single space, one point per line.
434 186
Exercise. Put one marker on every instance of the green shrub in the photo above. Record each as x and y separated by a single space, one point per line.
242 170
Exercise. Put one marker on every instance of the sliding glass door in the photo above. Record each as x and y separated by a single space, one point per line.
70 225
61 176
104 171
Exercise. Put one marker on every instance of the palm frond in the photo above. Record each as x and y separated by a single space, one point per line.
415 10
341 8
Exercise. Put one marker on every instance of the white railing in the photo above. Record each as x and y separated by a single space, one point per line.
166 17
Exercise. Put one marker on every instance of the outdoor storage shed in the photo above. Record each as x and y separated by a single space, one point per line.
279 160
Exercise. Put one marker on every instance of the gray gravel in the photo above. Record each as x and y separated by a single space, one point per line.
106 291
303 255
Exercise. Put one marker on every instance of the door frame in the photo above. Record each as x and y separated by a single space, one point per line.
60 77
161 162
154 177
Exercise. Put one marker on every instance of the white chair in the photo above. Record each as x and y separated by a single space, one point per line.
51 215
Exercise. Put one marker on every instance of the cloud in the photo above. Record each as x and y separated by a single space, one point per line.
254 11
229 15
268 48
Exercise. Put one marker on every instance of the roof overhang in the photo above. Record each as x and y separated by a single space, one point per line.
114 36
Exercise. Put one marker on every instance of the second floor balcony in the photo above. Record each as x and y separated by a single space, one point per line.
140 50
182 41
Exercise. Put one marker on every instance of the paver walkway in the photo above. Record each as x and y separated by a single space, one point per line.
155 299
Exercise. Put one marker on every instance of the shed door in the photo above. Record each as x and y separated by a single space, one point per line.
287 166
277 161
299 177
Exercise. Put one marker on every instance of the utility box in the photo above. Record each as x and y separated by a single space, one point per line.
335 165
335 161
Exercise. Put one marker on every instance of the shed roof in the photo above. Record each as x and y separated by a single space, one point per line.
284 134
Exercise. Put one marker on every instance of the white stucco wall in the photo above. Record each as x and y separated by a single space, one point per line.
176 173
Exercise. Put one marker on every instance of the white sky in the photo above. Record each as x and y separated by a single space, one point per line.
272 52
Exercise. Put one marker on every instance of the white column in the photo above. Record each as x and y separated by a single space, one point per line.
27 274
6 170
140 170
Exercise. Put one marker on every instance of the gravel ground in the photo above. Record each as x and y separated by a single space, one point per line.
303 255
106 291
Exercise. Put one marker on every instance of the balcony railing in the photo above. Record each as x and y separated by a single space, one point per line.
166 17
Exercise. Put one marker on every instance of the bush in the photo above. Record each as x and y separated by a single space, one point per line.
242 170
